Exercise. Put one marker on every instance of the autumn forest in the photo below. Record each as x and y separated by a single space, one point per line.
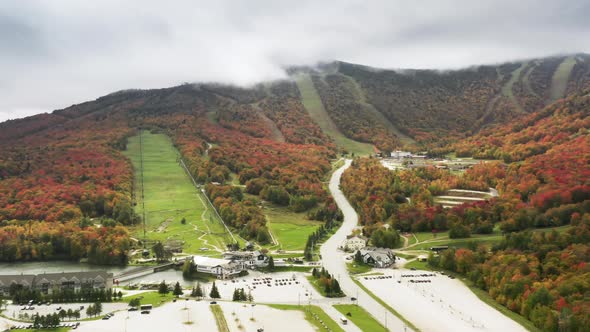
67 189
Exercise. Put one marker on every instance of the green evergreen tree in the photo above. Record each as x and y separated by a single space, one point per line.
177 290
271 263
163 288
198 290
214 294
358 257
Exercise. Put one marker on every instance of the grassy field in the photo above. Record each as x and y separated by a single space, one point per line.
442 239
560 79
290 229
360 317
154 298
354 268
313 314
170 196
219 318
315 108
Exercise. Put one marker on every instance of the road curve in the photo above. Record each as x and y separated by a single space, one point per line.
334 262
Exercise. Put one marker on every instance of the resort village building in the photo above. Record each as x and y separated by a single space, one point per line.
222 268
378 257
250 259
354 243
48 283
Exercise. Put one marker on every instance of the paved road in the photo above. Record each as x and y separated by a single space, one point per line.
334 262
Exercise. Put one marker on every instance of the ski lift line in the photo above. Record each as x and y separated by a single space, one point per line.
211 204
142 191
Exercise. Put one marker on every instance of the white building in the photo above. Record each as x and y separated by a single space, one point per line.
251 259
354 243
222 268
400 154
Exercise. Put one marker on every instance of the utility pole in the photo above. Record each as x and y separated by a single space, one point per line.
142 191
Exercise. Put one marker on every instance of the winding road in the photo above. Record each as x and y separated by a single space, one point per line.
334 261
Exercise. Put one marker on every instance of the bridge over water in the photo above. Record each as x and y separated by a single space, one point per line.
144 270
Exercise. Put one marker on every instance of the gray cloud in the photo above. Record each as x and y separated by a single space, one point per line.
58 52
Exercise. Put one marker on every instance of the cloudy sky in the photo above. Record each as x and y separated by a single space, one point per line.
55 53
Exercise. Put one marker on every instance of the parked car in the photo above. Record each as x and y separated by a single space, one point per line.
132 309
213 302
145 312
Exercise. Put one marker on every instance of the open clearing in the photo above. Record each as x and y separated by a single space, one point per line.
313 314
313 104
170 196
290 229
360 317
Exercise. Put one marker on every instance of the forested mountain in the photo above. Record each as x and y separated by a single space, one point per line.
60 170
543 181
435 107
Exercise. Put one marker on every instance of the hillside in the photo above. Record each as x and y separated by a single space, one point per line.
273 142
536 272
67 168
434 107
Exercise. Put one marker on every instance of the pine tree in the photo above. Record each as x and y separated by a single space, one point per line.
214 294
199 290
271 263
163 288
336 287
358 257
250 297
177 290
236 296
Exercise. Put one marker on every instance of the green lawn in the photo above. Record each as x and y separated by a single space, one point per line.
418 265
219 318
310 317
360 317
354 268
442 239
290 229
154 298
170 196
313 104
